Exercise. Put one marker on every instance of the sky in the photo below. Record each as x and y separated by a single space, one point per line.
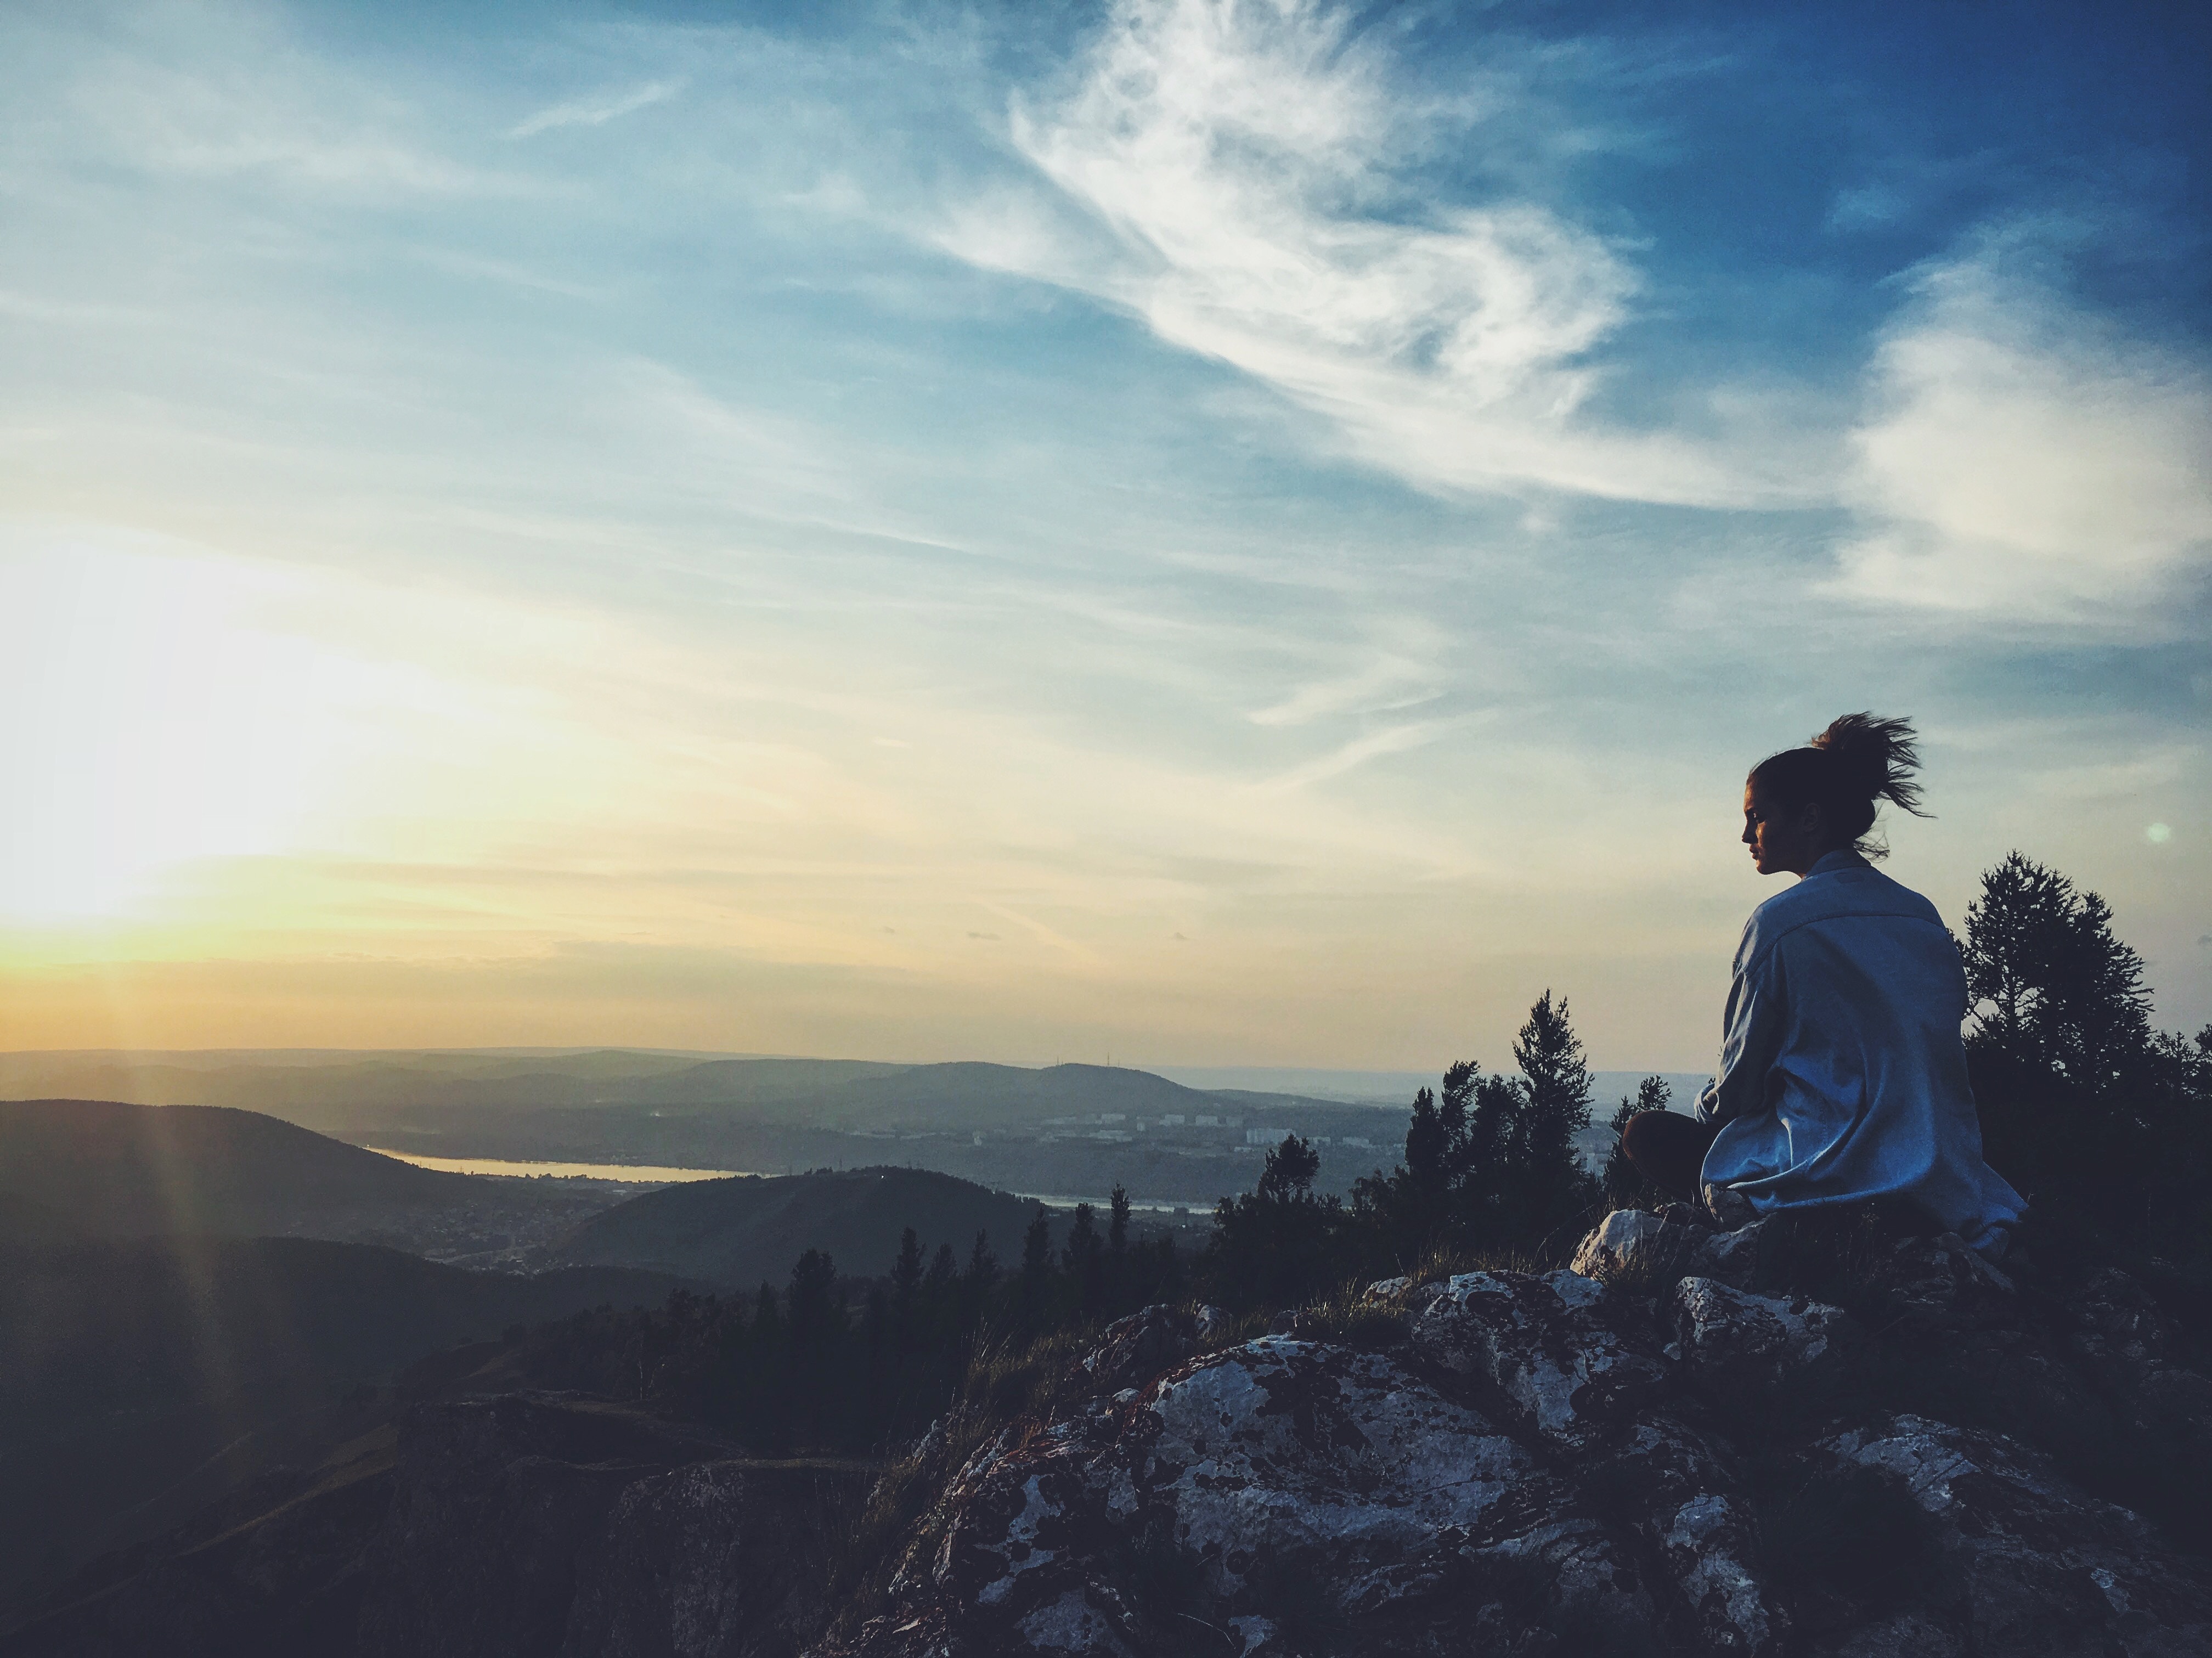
1181 532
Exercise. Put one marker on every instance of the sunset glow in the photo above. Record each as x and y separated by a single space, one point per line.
1215 533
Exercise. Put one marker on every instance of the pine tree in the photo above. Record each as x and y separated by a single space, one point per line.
1550 1186
1036 1285
2050 984
906 1285
1084 1260
1274 1245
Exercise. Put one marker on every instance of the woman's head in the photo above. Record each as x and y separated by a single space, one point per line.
1802 804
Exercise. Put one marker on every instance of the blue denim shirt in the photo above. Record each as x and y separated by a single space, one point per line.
1843 1075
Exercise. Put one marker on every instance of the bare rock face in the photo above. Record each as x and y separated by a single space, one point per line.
1642 1251
1558 1353
1939 1284
1289 1496
1553 1465
1733 1344
2034 1567
1137 1348
1634 1246
1232 1473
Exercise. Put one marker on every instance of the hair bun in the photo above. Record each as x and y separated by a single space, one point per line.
1879 757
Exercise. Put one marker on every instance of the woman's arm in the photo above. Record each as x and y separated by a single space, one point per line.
1750 1037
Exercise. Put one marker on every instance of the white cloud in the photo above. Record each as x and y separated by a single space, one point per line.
596 110
1233 172
2024 458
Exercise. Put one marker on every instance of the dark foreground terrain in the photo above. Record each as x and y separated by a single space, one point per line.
141 1379
1853 1439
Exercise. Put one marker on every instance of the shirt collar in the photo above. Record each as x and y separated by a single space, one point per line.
1841 858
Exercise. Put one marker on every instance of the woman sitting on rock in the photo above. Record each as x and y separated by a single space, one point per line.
1843 1076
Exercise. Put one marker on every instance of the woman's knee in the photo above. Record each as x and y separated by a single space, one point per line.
1650 1132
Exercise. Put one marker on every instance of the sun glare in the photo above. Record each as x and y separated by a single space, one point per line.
150 720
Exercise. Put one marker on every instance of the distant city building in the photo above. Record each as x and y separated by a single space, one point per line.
1359 1140
1264 1136
1113 1116
1174 1121
1206 1122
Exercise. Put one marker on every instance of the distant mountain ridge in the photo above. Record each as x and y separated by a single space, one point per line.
832 1093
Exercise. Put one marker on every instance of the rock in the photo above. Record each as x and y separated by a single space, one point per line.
1729 1207
1645 1252
1212 1323
2119 1334
1734 1344
1738 1258
1631 1248
1907 1635
1388 1289
1137 1348
1287 1445
1709 1544
1554 1352
1938 1284
1276 1460
2042 1570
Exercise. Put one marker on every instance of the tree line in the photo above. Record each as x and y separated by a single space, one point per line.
2103 1122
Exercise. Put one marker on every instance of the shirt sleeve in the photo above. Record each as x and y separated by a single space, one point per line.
1751 1039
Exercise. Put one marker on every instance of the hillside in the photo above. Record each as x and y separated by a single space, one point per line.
104 1168
141 1378
1676 1449
741 1232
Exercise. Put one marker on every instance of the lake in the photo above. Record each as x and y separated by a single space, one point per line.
633 1174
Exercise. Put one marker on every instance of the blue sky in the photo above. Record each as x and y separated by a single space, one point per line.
1259 533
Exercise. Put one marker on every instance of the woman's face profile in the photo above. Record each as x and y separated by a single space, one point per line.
1780 837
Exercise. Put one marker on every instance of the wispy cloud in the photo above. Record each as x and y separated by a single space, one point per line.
1390 739
597 110
1241 176
1389 684
2024 458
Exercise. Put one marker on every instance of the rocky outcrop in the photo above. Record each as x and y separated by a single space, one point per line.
1669 1449
1731 1345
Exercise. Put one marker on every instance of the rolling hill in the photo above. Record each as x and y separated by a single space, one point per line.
104 1168
737 1233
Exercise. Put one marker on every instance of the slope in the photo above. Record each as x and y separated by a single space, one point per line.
739 1232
